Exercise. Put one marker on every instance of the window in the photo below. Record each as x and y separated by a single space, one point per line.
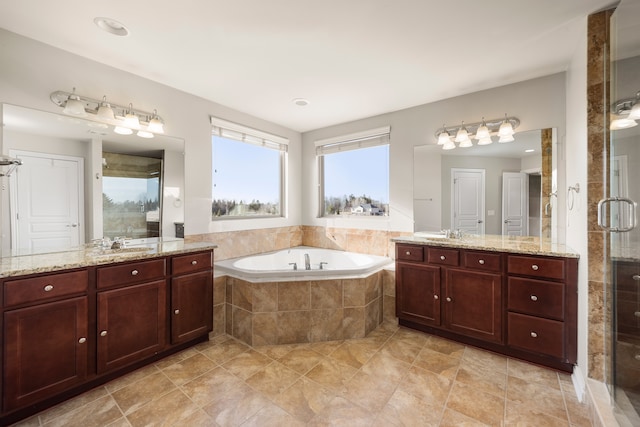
354 174
248 172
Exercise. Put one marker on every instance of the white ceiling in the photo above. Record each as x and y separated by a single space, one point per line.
350 58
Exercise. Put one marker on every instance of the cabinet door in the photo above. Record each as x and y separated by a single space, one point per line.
191 306
418 293
132 324
473 304
45 350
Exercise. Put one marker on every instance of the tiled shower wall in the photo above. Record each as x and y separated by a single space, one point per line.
233 244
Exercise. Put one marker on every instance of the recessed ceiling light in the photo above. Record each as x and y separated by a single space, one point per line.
111 26
300 102
530 150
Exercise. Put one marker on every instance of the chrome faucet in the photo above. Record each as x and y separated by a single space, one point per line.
307 262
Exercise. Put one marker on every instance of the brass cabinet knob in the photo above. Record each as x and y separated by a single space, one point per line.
408 253
135 272
82 340
194 262
481 262
534 267
534 298
48 288
103 333
442 257
436 297
176 311
448 299
534 335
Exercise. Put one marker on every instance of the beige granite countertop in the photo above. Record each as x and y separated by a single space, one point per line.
88 256
489 242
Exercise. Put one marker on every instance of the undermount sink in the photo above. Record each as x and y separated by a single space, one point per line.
119 251
431 234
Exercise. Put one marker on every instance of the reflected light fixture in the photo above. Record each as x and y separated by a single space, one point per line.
73 106
483 132
124 119
625 113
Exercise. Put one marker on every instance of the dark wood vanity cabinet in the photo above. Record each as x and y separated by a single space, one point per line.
69 331
524 306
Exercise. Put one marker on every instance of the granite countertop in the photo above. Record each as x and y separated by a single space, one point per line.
87 256
496 243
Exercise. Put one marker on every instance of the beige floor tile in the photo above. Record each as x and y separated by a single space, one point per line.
486 359
404 349
304 399
273 379
120 422
95 414
188 369
439 363
272 416
199 418
301 359
138 394
332 373
325 348
368 391
171 409
418 337
537 395
131 378
175 358
480 406
482 378
532 373
427 386
453 418
386 367
246 364
73 404
406 410
353 354
276 351
235 406
524 415
29 422
207 387
225 351
342 412
444 346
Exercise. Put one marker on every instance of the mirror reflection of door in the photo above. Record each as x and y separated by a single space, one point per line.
514 204
131 195
467 203
47 202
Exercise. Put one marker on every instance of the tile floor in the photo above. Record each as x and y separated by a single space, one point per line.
394 377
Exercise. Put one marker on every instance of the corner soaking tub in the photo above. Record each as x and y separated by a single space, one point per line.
290 265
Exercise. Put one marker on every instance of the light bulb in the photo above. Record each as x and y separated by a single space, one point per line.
449 145
462 134
105 111
485 141
625 123
506 138
634 114
74 106
155 124
444 137
506 129
144 134
483 131
122 130
466 143
131 119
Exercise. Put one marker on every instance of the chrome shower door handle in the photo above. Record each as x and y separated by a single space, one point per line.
633 220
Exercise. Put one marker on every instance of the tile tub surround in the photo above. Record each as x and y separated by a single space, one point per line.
271 313
393 377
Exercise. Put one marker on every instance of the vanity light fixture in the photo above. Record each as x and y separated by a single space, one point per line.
124 119
483 132
625 113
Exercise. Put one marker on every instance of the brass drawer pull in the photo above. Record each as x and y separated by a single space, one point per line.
442 257
534 267
135 272
534 298
194 262
48 288
534 335
481 262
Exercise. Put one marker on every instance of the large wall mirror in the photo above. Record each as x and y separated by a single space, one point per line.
497 189
79 181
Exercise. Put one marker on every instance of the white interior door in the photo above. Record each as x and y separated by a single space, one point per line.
515 215
467 210
47 202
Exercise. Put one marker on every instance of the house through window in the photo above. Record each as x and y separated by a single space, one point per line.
354 174
248 172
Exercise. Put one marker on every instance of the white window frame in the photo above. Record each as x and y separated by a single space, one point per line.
353 141
235 131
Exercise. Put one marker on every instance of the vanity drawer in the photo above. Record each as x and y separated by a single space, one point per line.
191 262
409 253
536 334
536 297
627 276
482 261
549 268
44 288
443 256
124 274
